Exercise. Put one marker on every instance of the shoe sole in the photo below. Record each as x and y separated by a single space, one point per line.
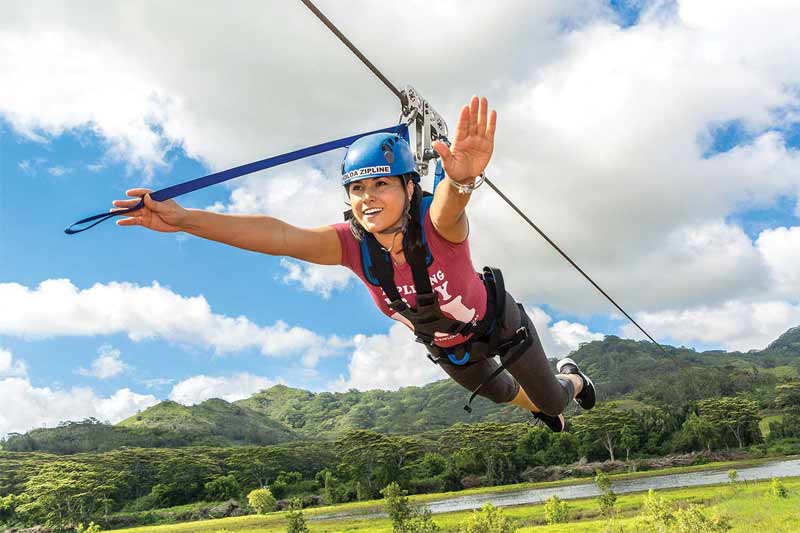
589 392
553 423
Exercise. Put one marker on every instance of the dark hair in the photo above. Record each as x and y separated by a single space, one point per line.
412 213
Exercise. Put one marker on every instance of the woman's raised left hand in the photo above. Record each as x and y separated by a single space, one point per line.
473 143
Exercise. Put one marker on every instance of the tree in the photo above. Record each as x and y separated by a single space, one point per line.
373 460
629 438
68 492
333 490
788 395
737 417
602 424
223 488
261 500
280 487
488 445
702 430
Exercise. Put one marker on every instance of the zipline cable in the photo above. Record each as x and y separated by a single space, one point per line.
325 20
571 262
355 50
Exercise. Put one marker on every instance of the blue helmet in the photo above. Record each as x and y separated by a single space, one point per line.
376 155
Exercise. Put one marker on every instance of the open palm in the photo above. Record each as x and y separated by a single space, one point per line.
473 143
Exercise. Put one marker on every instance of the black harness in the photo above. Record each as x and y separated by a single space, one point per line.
428 319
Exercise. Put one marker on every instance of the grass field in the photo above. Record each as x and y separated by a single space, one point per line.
750 507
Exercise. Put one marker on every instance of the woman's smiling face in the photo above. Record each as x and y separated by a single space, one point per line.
378 203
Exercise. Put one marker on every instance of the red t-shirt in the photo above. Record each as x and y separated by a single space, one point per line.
460 291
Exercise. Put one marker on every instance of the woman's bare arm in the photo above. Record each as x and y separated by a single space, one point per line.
268 235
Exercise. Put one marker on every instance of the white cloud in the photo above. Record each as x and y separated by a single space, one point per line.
9 367
107 365
780 248
388 362
601 131
91 83
59 308
296 194
601 149
157 382
322 279
562 337
144 91
58 171
33 407
197 389
734 325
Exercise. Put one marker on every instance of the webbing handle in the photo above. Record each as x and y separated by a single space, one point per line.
235 172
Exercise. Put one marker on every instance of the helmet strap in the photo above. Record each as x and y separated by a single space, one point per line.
403 223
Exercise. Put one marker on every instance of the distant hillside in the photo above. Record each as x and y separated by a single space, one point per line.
787 344
621 368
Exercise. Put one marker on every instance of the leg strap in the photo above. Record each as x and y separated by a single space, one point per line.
515 346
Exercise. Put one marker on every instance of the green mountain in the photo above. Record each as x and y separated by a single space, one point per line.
787 344
622 369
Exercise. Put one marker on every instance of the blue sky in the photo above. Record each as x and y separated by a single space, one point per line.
676 191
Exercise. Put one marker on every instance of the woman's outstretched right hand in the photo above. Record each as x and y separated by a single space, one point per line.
166 216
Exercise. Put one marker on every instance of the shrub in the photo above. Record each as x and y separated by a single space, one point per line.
261 500
778 489
404 518
91 528
396 505
607 497
658 517
422 522
656 514
555 510
489 519
693 520
296 521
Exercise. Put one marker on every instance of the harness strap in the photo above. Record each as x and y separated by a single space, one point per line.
520 342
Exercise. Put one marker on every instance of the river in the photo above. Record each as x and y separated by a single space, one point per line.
784 468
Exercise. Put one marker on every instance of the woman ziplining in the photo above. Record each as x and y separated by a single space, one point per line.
411 251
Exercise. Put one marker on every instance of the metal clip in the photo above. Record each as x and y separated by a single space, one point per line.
429 126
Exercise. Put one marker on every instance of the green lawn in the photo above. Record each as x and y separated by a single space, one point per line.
750 507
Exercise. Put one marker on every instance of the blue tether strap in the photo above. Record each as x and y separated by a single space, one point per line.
225 175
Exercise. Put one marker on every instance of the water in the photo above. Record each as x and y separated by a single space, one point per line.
788 468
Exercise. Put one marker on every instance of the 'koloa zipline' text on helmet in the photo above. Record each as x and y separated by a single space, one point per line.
376 155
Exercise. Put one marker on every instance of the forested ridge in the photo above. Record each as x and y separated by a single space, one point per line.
622 369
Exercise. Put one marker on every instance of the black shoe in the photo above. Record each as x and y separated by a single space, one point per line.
588 396
555 423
